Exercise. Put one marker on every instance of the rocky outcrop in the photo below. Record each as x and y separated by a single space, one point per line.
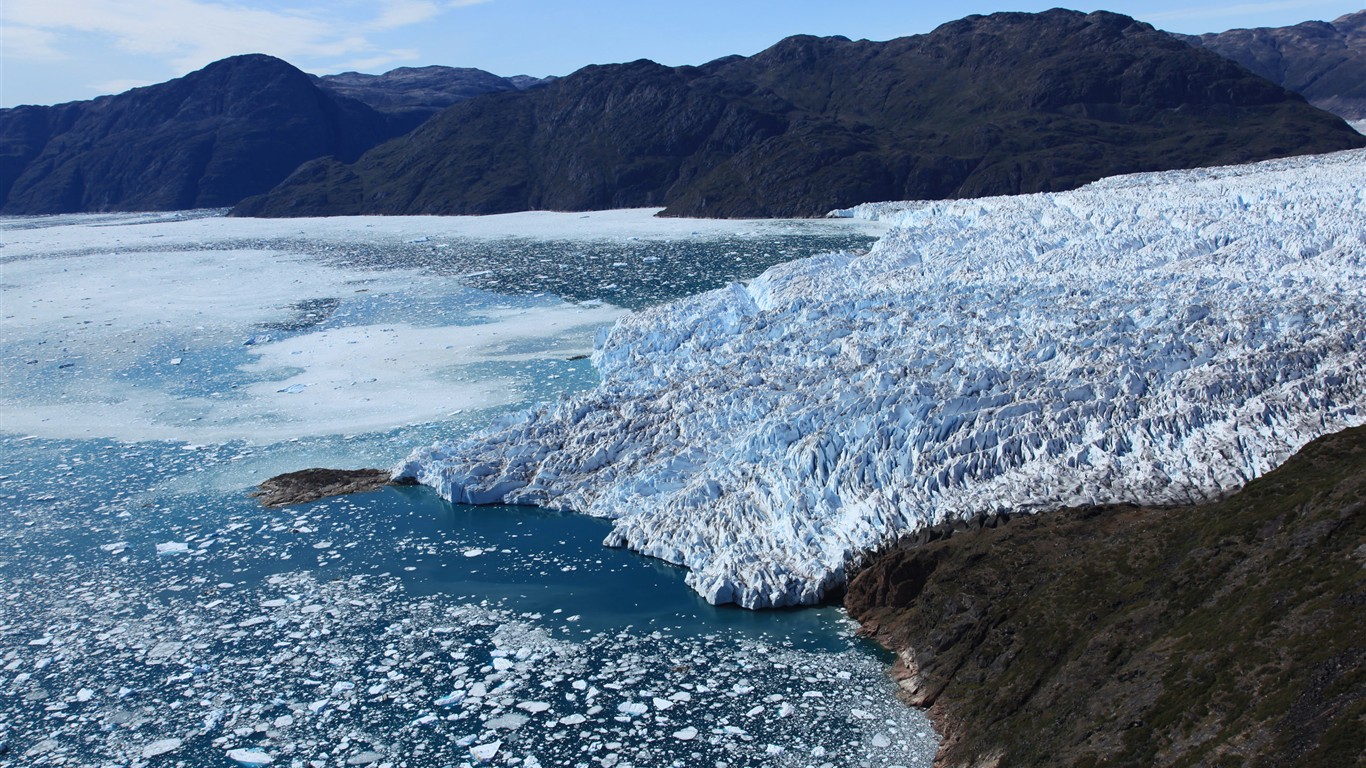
308 485
1223 634
1324 62
1000 104
235 128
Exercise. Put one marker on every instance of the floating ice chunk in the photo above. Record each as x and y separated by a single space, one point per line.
475 552
250 757
881 741
485 752
293 389
502 665
84 695
450 699
509 722
632 708
574 719
160 748
172 547
662 704
687 734
534 707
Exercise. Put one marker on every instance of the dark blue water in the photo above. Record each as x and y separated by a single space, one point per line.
152 613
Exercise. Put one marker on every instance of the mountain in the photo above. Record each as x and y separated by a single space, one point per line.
1222 634
235 128
999 104
1324 62
413 94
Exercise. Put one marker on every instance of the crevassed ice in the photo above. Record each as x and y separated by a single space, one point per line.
1152 338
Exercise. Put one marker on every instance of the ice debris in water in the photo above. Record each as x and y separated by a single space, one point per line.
1151 338
377 676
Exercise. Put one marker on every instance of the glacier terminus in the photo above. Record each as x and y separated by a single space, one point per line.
1153 338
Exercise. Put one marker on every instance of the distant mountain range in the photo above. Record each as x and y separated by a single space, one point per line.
997 104
414 94
1324 62
1000 104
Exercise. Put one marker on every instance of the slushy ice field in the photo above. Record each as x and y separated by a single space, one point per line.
156 367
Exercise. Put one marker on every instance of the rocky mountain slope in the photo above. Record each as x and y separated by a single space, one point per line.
1324 62
1001 104
413 94
235 128
1157 338
1224 634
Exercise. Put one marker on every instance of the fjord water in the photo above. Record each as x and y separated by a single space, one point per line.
156 367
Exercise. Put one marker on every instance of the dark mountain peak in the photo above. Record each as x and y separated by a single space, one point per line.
233 128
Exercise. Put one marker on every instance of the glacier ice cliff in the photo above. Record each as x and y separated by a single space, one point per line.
1154 338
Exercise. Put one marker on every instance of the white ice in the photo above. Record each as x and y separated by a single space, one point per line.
1151 338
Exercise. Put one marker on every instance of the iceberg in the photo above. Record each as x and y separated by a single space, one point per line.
1153 338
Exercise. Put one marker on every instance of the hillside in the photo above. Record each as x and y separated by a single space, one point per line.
1002 104
234 128
1223 634
1323 61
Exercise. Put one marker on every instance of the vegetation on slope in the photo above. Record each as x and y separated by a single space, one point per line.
1225 634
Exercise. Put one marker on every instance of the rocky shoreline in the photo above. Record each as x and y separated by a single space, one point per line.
1225 633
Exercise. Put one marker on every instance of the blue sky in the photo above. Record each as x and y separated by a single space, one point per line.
63 50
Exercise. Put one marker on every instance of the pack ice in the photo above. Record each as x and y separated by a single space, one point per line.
1152 338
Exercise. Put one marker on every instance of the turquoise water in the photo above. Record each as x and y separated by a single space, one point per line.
152 613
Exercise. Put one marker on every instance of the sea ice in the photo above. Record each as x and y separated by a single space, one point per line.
1153 338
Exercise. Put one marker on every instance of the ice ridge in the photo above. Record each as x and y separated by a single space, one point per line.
1151 338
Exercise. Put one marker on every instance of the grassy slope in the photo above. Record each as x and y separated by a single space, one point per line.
1226 634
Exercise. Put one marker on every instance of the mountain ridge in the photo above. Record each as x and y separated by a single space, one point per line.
205 140
998 104
1323 61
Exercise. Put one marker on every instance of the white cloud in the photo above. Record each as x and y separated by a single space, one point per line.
379 63
187 34
403 13
29 44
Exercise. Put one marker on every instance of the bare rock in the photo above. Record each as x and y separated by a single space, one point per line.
312 484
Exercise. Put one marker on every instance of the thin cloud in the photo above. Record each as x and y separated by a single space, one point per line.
404 13
187 34
379 63
30 44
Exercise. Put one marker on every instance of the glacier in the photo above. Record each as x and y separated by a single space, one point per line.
1152 338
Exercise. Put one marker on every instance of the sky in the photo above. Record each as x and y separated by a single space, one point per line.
53 51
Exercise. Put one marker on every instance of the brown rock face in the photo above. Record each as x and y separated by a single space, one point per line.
1224 634
312 484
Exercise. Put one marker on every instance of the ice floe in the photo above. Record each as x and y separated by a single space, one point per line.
1151 338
